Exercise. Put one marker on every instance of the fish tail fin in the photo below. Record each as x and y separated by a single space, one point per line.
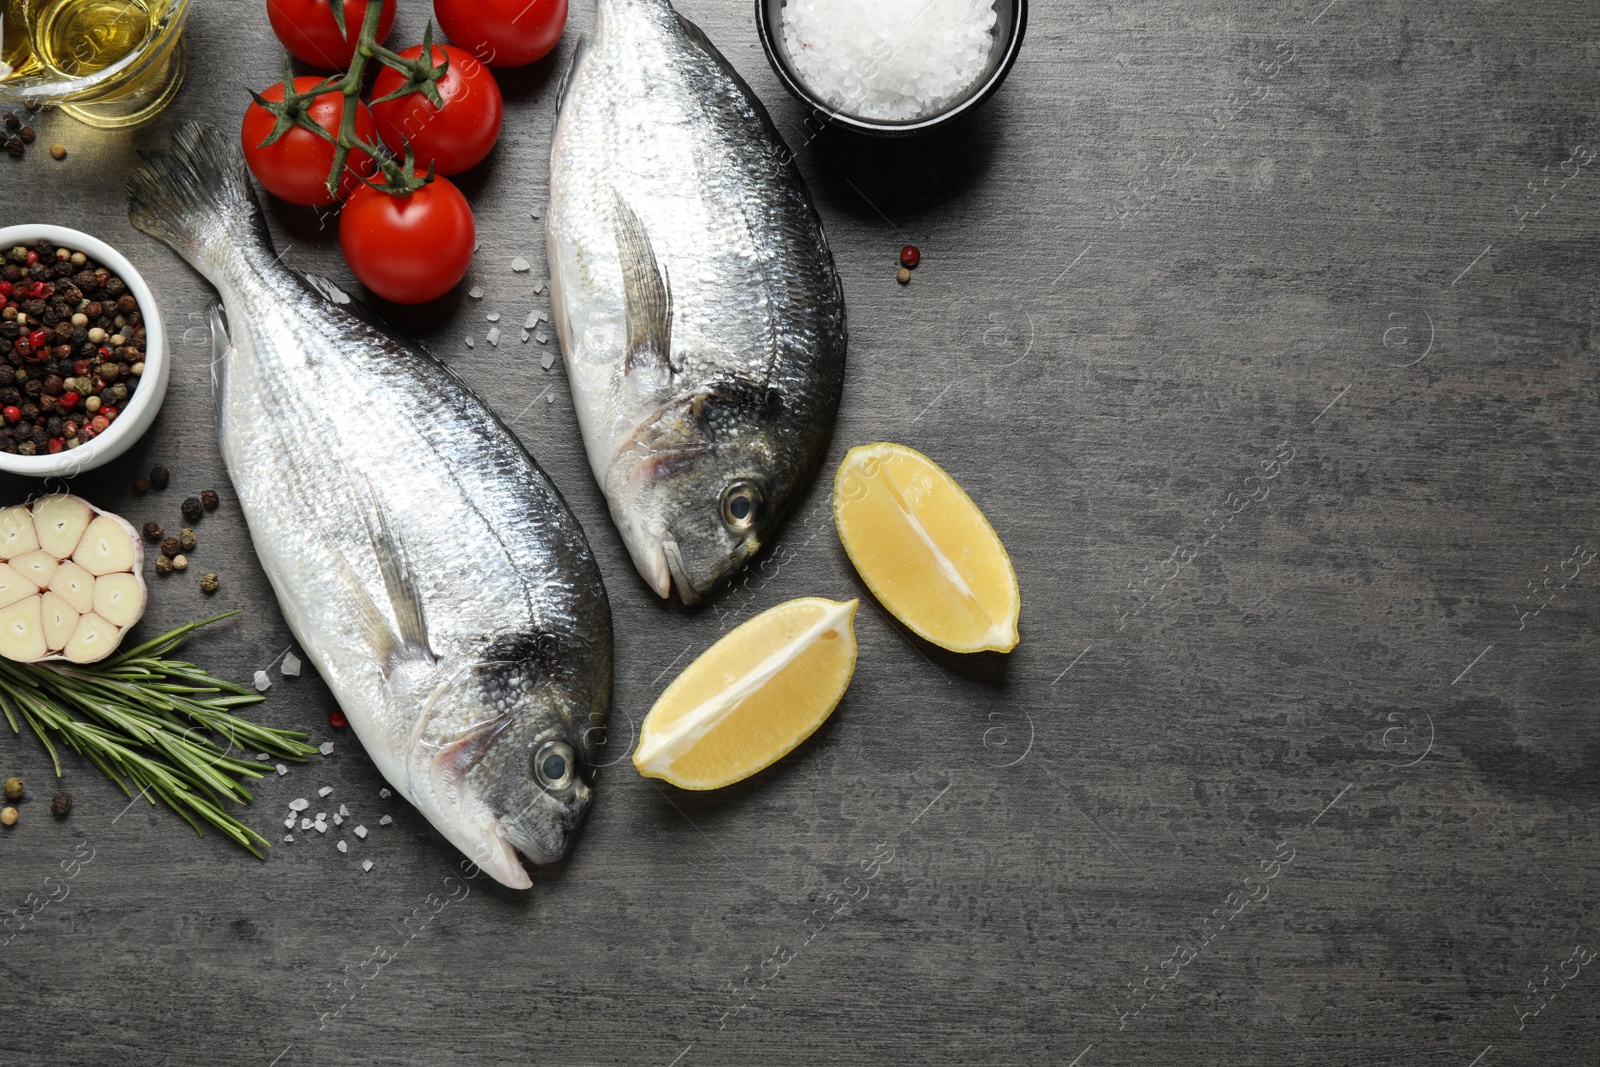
196 198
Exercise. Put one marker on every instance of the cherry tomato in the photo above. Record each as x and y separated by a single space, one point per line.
308 31
296 167
503 33
455 138
408 249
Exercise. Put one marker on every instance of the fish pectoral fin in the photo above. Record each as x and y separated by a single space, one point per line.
404 597
572 69
221 346
646 294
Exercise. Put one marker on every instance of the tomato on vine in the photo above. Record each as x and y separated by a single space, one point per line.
296 165
453 137
410 248
503 33
310 30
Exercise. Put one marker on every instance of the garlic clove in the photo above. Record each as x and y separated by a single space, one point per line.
107 546
59 618
14 586
75 585
16 531
118 598
91 640
22 631
38 566
60 522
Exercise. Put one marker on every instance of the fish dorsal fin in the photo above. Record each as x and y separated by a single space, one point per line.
572 69
646 293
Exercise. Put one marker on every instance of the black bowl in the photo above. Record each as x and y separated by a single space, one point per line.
1008 31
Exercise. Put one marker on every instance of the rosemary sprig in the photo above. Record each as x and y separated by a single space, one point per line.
150 722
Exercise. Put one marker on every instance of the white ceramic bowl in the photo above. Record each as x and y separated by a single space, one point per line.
141 410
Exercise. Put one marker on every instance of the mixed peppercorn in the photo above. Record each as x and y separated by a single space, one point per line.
72 342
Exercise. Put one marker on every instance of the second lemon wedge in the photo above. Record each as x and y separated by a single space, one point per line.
925 550
751 697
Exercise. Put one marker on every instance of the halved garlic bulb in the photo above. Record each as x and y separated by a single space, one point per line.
69 580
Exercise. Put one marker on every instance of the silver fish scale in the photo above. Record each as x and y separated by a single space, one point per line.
653 116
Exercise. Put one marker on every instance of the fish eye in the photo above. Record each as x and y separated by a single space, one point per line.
741 505
555 765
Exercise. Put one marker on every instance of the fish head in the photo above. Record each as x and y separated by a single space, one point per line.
698 490
504 762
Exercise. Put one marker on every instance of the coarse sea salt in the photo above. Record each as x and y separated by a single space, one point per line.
889 59
291 665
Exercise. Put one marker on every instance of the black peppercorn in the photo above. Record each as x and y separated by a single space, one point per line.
12 122
141 485
159 476
170 547
208 499
191 509
61 805
152 531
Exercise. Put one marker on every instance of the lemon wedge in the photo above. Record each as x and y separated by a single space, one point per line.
751 697
925 550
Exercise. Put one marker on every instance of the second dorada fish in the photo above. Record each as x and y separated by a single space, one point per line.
423 561
700 314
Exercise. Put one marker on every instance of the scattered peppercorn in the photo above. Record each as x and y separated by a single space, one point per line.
58 151
163 564
191 509
169 547
8 816
159 476
12 122
903 276
180 563
152 531
15 148
187 540
62 804
141 485
208 499
13 788
209 583
337 720
27 134
910 257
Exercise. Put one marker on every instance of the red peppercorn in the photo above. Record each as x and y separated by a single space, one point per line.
5 288
337 720
38 339
100 424
57 444
89 433
105 353
69 399
12 413
110 412
33 257
910 257
3 303
40 290
80 368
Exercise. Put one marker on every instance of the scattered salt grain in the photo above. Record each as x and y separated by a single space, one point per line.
342 847
326 748
477 245
494 316
321 816
532 320
320 827
890 59
383 793
539 285
291 665
288 824
469 342
343 810
305 824
520 265
366 865
542 335
493 336
338 820
263 683
525 336
281 769
550 400
262 756
538 211
547 360
386 820
288 839
475 293
325 791
361 831
299 805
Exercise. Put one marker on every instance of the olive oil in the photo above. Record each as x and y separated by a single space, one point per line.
16 52
75 38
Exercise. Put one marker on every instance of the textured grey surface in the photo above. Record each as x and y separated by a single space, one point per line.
1187 239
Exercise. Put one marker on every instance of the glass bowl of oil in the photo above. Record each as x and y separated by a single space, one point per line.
107 63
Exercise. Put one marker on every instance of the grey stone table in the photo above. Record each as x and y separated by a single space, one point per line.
1265 336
